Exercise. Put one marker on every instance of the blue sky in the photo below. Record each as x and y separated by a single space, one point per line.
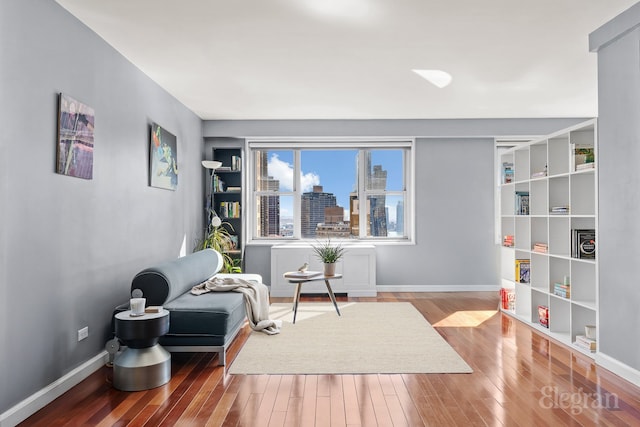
335 170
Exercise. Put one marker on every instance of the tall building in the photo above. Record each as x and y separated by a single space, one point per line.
312 207
377 180
268 206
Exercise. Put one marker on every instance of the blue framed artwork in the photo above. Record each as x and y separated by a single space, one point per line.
163 164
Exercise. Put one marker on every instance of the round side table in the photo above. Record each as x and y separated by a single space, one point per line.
144 364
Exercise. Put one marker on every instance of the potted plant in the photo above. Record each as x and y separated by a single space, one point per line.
329 254
219 238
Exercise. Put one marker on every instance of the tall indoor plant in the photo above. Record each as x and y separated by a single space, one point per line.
218 237
329 254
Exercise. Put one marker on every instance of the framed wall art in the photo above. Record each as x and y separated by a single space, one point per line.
163 164
74 155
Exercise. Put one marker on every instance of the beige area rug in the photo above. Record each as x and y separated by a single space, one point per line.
369 338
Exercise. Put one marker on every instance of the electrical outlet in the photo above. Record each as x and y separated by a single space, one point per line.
83 333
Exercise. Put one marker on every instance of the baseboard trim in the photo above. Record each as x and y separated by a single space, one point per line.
43 397
439 288
620 369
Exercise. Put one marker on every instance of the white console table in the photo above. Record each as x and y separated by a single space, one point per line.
357 266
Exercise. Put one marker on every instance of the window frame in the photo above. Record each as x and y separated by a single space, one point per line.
298 145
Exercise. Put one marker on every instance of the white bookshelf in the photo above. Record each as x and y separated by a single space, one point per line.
546 169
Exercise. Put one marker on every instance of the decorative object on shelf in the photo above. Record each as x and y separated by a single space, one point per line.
163 163
329 254
75 138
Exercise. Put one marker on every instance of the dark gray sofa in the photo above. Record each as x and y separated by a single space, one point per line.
197 323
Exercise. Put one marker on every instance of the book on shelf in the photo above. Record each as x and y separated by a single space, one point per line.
539 174
302 274
507 172
223 169
583 243
522 203
229 209
539 247
523 268
543 315
587 343
508 241
233 188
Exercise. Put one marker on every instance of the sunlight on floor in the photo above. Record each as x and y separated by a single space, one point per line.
466 318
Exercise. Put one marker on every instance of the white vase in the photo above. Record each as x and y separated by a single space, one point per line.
330 269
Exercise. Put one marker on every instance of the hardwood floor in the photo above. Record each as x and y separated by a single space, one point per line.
520 378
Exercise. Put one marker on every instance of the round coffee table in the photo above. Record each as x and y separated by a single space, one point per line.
299 281
144 364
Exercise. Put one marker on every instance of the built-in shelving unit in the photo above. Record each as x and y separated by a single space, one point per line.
227 187
548 205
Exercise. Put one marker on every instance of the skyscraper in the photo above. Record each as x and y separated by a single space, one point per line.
312 209
268 206
377 180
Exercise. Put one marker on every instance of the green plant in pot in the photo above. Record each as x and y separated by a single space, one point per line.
218 237
329 254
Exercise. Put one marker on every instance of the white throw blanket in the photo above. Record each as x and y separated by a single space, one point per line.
256 300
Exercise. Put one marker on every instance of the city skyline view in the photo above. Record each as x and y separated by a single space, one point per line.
334 170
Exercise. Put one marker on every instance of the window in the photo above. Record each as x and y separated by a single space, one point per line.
337 190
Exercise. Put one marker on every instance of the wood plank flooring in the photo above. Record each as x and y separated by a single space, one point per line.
520 378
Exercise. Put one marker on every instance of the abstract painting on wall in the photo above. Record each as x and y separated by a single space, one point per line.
75 138
163 170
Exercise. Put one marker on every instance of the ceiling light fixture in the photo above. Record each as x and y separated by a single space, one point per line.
437 78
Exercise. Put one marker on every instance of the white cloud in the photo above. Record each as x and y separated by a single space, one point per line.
283 172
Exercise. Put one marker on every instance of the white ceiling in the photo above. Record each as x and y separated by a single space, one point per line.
352 59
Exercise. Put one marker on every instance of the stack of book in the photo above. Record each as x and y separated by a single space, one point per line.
539 247
559 210
539 174
583 243
562 290
508 240
522 203
523 268
584 166
586 343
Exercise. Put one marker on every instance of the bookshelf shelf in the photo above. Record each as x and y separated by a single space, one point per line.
557 174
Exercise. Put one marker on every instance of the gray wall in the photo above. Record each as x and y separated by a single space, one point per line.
455 180
69 247
617 44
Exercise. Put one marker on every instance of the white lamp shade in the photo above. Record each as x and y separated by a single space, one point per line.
211 164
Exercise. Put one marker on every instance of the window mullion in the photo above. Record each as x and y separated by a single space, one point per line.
297 196
362 196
